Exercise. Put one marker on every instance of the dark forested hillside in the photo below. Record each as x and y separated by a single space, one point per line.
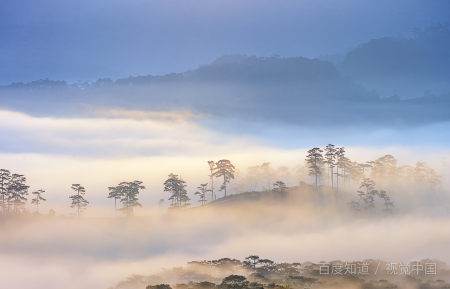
407 66
295 90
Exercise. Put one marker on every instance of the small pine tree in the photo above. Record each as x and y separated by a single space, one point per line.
279 188
202 190
37 200
77 200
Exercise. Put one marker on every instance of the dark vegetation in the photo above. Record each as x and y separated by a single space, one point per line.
403 66
257 273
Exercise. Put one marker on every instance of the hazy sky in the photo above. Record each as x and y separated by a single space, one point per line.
73 40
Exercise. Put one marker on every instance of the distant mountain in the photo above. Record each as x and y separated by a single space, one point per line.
404 66
230 58
295 90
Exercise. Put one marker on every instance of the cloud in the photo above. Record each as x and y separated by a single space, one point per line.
71 253
129 133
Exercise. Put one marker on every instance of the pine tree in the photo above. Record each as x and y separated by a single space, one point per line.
202 190
315 160
388 203
340 155
17 190
77 200
251 261
330 155
369 200
5 177
226 170
37 200
280 189
129 192
177 188
116 193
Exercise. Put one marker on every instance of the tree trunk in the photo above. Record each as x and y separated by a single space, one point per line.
78 202
225 184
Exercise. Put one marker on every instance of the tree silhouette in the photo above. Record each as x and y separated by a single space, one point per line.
315 160
177 188
280 189
5 177
159 286
129 200
234 282
330 155
266 267
77 200
226 170
202 190
17 190
369 200
346 166
251 261
116 193
185 198
340 154
388 203
212 168
37 200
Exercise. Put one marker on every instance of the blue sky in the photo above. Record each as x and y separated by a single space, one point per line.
74 40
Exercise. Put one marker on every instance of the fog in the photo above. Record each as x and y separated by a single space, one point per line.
115 145
98 253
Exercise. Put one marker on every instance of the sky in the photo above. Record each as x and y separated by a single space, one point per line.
86 40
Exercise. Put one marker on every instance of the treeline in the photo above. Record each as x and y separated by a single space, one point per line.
327 167
14 190
260 273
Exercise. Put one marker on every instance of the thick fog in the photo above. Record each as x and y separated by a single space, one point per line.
98 253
